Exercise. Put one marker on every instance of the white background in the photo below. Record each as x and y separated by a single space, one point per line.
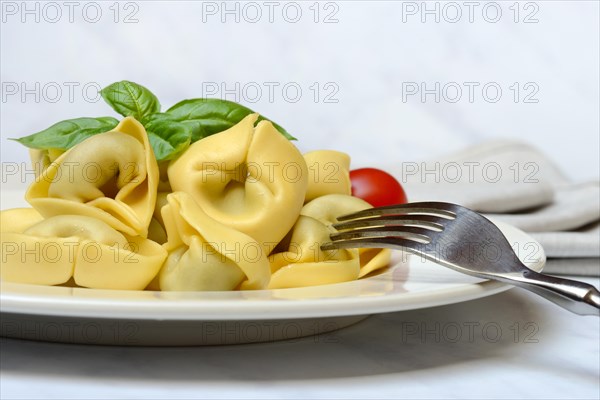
368 53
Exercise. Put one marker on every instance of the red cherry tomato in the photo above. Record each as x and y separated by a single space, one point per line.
376 187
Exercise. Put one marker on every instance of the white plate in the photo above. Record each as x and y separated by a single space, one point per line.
190 318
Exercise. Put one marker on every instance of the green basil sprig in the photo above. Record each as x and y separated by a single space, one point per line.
66 134
209 116
130 99
169 133
168 138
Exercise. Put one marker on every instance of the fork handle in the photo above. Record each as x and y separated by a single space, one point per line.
577 297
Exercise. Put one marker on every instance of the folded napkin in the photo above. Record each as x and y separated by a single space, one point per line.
515 183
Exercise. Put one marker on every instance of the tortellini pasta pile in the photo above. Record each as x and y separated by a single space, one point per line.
239 210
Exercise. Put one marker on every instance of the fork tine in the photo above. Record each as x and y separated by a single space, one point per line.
435 208
428 221
373 243
407 232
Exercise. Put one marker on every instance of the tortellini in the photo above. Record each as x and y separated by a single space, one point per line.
327 208
111 176
328 173
41 159
299 260
249 178
205 254
18 219
95 255
238 210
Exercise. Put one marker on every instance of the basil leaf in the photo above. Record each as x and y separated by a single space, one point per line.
66 134
168 138
209 116
130 99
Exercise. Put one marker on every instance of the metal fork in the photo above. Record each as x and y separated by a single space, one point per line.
456 237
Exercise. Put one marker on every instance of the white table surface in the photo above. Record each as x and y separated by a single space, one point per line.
555 356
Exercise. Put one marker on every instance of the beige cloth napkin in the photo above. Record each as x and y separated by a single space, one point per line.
515 183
